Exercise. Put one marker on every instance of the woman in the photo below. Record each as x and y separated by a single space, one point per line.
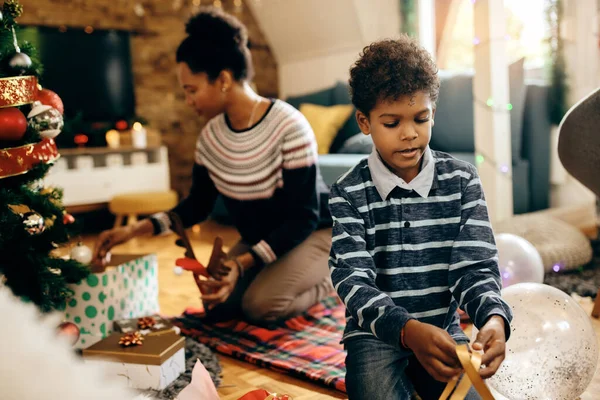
261 156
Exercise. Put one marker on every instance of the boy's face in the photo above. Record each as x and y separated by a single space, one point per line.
401 130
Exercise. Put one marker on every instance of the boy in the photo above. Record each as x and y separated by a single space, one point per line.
412 240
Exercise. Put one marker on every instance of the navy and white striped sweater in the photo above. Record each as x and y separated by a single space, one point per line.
408 256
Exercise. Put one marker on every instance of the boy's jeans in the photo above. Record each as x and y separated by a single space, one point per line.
378 371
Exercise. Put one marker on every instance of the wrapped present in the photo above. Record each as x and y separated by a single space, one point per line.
145 325
201 387
127 288
262 394
142 361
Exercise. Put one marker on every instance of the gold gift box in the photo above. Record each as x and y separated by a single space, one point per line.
155 350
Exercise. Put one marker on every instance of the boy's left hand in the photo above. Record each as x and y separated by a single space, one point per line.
492 340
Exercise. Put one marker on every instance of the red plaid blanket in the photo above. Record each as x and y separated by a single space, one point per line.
307 346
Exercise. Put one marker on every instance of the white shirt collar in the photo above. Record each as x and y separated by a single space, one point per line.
385 180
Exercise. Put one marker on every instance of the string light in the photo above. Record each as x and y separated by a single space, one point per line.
490 104
503 168
556 267
139 10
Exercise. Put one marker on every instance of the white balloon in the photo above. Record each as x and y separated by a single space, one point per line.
518 260
553 350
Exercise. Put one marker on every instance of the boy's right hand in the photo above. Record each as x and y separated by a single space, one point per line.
434 348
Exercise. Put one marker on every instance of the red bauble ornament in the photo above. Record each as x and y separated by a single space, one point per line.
13 124
68 219
70 330
121 125
49 98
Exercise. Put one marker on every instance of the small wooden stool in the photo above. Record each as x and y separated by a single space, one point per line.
141 203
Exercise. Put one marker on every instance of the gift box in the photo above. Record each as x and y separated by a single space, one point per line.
153 364
127 288
145 325
262 394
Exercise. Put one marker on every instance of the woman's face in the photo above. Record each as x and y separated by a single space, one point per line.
205 97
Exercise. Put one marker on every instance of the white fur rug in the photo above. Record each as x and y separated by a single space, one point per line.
36 364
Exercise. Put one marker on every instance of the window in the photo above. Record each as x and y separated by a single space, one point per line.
526 30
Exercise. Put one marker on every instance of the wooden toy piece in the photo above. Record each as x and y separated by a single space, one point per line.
596 309
189 262
215 267
177 227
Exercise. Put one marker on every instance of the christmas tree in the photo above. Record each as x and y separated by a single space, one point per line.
33 221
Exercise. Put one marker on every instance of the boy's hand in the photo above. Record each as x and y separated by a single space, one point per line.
492 340
434 348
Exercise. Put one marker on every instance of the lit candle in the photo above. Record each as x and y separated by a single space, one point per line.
138 136
113 139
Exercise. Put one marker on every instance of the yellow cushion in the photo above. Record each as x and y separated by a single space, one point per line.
143 202
326 122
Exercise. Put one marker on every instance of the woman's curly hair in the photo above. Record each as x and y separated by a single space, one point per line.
216 41
389 69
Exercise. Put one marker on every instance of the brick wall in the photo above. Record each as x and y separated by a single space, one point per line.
158 27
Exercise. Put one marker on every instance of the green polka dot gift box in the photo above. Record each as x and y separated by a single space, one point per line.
128 288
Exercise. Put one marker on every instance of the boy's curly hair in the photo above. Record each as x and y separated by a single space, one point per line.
389 69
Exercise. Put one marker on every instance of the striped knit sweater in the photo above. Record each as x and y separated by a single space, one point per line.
268 177
411 256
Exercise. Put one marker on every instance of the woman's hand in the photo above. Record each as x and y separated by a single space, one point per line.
220 269
215 292
109 239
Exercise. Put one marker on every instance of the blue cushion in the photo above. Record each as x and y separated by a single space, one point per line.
333 166
341 95
322 98
357 144
454 118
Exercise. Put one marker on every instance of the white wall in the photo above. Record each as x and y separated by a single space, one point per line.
314 73
316 41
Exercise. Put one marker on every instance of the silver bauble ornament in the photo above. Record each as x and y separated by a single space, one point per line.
20 62
46 120
81 253
33 223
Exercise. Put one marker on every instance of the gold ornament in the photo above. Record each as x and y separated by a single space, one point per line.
50 221
131 339
12 8
146 322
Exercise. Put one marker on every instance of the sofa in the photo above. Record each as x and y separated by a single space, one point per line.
453 133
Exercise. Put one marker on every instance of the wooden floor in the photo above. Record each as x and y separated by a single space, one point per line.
178 292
